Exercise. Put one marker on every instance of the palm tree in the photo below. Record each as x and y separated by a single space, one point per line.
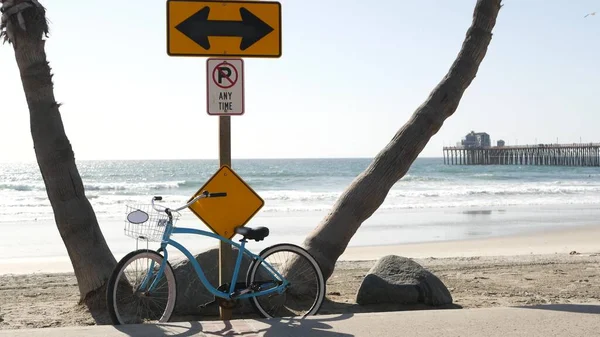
368 191
24 25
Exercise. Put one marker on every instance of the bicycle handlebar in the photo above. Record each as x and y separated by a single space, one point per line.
204 194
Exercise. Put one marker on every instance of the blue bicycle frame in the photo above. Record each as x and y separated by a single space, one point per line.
166 241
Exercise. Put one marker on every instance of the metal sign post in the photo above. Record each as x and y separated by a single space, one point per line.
225 250
226 29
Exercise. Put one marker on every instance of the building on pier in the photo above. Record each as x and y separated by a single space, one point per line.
476 139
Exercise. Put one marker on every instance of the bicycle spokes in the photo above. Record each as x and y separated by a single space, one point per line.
304 285
140 296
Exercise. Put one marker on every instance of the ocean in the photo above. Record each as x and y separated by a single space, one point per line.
431 202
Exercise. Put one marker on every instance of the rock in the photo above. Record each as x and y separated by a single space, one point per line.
192 294
396 279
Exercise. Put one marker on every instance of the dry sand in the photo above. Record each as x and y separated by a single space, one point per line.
555 267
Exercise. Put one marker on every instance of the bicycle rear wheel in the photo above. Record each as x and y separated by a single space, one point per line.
127 297
306 291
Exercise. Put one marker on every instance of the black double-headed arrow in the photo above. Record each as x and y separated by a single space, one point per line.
198 28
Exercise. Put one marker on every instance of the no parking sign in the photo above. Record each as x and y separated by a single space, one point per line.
225 86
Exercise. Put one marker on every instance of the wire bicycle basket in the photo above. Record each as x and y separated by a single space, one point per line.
144 222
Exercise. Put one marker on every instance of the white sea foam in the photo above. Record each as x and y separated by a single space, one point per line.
302 185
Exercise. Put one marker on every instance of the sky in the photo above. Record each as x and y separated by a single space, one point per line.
350 75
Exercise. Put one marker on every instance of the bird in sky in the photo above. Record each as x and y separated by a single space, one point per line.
592 13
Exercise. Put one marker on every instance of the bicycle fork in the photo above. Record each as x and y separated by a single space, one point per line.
149 274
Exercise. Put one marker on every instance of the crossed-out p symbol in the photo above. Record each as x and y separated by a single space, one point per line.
225 75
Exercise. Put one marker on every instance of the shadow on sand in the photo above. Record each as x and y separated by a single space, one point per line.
314 326
332 307
577 308
167 329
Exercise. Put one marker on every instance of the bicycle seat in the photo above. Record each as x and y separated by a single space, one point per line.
256 234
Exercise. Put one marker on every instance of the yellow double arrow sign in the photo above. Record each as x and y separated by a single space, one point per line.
224 28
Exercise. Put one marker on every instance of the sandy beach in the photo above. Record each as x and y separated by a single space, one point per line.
559 266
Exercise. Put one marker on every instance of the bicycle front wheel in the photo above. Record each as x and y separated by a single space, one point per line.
305 292
128 296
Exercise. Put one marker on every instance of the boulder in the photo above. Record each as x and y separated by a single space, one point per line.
192 294
400 280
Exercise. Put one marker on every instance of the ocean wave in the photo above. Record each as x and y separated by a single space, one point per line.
21 187
292 195
107 193
391 206
410 178
23 205
97 186
115 207
443 191
120 187
496 190
492 177
134 187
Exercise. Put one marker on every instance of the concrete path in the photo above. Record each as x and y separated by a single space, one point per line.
549 320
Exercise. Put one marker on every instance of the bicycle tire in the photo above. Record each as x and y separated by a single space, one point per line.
111 288
321 285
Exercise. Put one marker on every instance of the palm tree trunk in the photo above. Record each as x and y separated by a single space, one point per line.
368 191
90 256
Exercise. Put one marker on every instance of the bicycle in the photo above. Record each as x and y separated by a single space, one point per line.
263 281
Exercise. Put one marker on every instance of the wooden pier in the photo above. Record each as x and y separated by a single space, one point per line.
543 154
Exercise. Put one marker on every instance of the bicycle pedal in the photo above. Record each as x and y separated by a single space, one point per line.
202 306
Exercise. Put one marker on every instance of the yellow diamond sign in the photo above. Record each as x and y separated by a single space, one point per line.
223 214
